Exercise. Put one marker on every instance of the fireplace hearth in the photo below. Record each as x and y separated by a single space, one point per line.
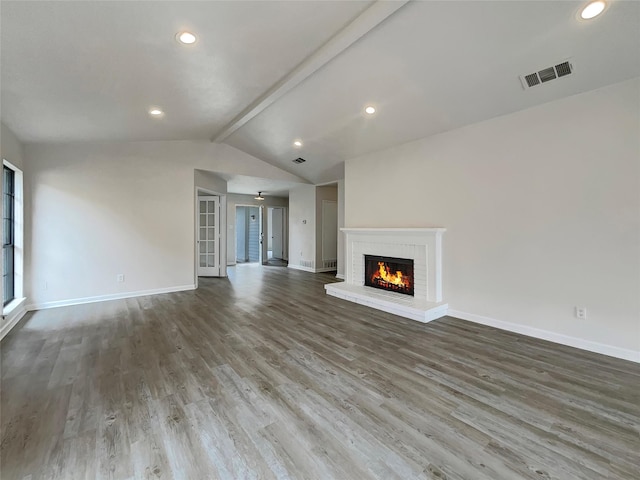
389 273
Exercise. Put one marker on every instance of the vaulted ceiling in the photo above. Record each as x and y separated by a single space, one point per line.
263 74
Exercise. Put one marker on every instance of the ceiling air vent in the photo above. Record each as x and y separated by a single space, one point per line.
299 160
532 79
563 69
547 74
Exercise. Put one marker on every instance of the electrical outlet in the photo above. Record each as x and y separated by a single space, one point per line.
581 313
120 278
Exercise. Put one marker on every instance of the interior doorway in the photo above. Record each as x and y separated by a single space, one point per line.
329 234
248 234
276 233
276 237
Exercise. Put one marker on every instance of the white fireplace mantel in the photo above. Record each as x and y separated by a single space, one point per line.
422 245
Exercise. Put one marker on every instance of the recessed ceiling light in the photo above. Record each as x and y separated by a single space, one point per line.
297 143
370 110
593 9
186 37
155 111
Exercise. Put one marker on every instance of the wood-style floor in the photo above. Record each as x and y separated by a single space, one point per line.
262 376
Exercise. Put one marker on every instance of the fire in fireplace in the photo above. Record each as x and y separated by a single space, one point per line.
388 273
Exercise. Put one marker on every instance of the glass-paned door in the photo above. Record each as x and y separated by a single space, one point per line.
209 236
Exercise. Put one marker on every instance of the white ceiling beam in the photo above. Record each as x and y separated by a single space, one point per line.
361 25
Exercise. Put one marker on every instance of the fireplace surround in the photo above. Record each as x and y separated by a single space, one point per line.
422 246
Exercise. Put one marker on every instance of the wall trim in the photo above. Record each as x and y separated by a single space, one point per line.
104 298
340 276
12 318
609 350
309 269
299 267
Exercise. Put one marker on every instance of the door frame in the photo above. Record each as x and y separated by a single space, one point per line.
325 204
261 219
284 233
222 239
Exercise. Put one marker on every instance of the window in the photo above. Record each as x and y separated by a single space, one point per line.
8 234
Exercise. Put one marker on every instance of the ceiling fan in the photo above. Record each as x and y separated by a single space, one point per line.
259 197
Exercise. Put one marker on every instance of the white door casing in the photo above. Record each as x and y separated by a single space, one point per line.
209 236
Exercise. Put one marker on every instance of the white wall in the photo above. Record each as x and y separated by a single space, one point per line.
99 209
305 225
542 210
234 199
209 181
11 148
302 226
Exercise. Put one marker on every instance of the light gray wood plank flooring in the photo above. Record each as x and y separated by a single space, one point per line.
262 376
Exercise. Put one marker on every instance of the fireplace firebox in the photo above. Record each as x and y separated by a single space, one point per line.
389 273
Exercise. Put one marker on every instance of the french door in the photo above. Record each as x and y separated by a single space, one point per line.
209 260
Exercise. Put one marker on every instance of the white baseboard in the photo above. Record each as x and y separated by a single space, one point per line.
299 267
617 352
309 269
10 320
340 276
104 298
325 269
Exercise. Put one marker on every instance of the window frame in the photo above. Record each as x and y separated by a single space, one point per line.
8 234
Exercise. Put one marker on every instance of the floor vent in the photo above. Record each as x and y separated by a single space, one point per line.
299 160
329 263
547 74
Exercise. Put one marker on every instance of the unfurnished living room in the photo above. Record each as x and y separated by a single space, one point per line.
332 240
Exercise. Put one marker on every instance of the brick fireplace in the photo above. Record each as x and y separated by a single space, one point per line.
422 247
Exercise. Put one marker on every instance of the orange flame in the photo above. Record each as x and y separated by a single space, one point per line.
384 274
